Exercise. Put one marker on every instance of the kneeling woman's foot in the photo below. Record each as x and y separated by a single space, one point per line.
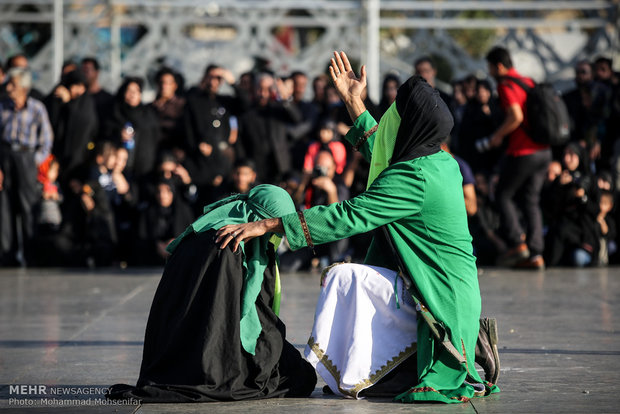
487 355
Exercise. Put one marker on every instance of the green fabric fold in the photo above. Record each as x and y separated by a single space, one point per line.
262 202
383 146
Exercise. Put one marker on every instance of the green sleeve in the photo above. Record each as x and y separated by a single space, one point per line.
364 123
398 192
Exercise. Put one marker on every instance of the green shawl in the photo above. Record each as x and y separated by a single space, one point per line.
383 146
262 202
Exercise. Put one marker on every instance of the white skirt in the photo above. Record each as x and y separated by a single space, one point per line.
362 330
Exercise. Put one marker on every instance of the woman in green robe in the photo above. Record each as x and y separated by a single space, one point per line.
415 191
213 332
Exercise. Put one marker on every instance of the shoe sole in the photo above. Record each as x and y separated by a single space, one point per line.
493 340
513 260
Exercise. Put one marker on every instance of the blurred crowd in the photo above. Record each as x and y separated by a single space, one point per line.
91 177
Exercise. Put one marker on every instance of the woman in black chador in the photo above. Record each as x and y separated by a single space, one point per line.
213 333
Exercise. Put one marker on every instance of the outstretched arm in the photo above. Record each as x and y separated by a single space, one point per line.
396 193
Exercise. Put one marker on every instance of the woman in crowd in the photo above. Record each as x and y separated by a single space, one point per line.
482 115
574 235
391 82
169 108
160 223
134 126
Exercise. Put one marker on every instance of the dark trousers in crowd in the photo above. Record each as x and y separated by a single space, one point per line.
518 196
19 195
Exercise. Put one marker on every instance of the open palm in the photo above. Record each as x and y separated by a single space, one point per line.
347 83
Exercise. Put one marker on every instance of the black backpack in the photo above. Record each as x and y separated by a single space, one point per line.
547 115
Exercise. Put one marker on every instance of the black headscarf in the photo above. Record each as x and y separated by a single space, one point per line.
425 120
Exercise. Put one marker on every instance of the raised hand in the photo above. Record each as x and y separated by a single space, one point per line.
347 83
284 88
224 74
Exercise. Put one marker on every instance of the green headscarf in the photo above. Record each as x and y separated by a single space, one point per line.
263 201
383 147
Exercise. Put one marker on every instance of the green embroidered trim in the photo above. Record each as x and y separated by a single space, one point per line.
365 137
462 398
304 227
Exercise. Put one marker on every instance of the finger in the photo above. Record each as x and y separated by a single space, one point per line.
334 67
347 64
363 74
223 232
219 232
340 64
219 236
227 240
334 77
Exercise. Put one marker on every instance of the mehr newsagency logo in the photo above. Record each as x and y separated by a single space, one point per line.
40 395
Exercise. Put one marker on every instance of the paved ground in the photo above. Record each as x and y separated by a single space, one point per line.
68 330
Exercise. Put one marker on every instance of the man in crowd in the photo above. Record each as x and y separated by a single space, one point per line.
603 71
609 131
77 125
104 101
25 142
263 127
19 61
588 108
243 176
208 113
425 67
300 133
579 100
523 169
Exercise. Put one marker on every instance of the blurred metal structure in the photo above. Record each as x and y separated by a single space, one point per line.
284 35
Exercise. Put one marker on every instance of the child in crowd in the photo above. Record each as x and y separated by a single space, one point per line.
169 168
50 215
328 137
607 226
102 167
328 141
